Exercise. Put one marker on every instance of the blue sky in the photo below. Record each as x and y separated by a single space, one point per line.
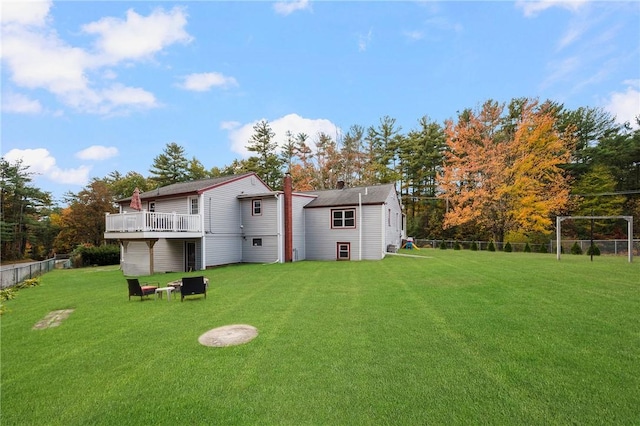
93 87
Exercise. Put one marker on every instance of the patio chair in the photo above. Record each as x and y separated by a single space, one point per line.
137 289
192 286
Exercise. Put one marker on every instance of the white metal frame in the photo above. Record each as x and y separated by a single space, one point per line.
629 220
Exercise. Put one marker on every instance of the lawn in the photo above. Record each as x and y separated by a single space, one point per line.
456 337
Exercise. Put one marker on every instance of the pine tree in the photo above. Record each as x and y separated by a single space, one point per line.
170 167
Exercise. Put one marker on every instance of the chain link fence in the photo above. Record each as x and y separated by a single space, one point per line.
614 247
11 276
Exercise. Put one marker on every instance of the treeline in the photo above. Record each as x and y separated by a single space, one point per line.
499 172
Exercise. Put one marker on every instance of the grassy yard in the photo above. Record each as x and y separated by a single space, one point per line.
457 337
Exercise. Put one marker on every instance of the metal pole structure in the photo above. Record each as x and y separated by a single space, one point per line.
630 231
591 246
558 224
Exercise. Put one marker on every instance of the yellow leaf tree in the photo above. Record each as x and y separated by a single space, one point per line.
502 173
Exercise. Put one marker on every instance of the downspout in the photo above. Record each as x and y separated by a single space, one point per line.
203 263
288 218
279 220
360 225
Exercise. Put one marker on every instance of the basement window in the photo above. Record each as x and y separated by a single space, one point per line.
257 242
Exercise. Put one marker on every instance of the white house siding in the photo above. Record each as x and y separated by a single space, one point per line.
168 255
264 227
321 239
393 232
136 259
222 220
298 226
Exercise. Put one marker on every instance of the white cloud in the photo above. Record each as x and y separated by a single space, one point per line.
138 37
37 58
205 81
97 152
288 7
119 95
24 12
21 104
414 35
40 162
625 105
533 8
364 40
240 134
230 125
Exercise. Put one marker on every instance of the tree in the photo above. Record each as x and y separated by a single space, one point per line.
420 155
327 161
171 166
123 186
504 173
24 210
196 171
266 163
83 221
351 156
382 143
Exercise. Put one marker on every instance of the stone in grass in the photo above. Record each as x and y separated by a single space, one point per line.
53 319
228 335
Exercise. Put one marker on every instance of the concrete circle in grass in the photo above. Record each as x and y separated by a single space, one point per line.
228 335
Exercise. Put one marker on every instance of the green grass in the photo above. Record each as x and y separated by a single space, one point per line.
458 337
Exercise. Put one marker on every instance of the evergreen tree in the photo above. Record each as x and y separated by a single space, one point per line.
23 212
170 167
266 162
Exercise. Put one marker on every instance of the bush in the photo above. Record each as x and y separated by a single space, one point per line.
508 248
593 250
474 246
100 256
456 246
443 245
31 282
527 248
576 249
491 246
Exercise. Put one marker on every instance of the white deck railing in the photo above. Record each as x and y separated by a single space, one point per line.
152 221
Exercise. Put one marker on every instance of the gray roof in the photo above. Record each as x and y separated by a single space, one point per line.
376 194
185 188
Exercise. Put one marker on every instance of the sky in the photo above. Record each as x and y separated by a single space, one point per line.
93 87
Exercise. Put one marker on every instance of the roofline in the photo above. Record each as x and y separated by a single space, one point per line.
379 203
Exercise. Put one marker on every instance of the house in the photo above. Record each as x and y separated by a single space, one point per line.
239 219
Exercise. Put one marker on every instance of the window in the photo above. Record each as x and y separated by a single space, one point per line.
152 206
257 242
343 218
256 208
389 216
193 207
343 251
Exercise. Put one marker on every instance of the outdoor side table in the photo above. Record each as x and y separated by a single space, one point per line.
168 290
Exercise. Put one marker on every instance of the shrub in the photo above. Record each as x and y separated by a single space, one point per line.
101 256
527 248
443 245
456 246
474 246
593 250
508 248
31 282
491 246
576 249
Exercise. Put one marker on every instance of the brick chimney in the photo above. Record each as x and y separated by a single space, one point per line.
288 218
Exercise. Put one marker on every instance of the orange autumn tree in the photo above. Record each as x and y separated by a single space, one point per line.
504 174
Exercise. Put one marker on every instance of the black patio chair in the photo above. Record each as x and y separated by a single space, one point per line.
192 286
137 289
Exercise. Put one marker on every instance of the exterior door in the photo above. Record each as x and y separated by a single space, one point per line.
343 251
190 256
